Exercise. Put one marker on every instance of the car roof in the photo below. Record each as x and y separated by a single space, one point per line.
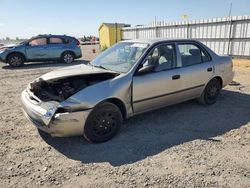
48 35
156 40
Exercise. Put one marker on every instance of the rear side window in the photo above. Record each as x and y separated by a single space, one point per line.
55 40
192 54
69 40
38 42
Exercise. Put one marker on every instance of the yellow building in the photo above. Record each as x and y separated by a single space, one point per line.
110 33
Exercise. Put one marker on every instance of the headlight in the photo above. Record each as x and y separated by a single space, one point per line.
50 113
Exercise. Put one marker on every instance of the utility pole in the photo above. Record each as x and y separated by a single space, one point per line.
116 32
230 27
230 9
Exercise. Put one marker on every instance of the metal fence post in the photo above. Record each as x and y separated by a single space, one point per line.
229 46
188 32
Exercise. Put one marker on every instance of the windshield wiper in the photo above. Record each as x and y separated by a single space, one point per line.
100 66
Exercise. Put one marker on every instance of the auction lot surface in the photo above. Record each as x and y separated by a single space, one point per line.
185 145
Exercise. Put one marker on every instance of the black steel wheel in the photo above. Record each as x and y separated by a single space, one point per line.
103 123
211 92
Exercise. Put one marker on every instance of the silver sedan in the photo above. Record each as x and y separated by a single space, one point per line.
129 78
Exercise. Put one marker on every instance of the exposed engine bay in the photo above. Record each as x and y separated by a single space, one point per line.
61 89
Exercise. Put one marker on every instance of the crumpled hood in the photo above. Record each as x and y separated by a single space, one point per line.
75 70
63 83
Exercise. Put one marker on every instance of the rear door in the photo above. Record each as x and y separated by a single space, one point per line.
37 49
196 70
56 46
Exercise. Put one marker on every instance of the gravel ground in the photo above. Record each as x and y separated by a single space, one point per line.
185 145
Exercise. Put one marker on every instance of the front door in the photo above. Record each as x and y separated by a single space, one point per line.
37 49
159 87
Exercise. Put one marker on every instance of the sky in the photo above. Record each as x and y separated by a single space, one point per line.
26 18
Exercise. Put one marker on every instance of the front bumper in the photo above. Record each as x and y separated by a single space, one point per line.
60 124
2 59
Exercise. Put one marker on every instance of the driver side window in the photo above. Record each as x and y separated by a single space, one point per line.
38 42
162 57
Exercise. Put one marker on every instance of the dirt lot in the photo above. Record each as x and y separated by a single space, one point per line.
185 145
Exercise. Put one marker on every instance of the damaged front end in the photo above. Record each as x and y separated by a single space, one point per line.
61 89
44 102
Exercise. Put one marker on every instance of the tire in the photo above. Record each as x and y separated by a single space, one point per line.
67 57
103 123
15 60
210 93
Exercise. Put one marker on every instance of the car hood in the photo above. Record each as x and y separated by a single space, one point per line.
75 70
63 83
9 46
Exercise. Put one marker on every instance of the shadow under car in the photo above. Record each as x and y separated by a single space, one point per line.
49 64
151 133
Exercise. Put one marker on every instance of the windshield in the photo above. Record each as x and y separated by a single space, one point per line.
121 57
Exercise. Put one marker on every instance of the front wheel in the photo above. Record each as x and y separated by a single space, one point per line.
211 92
67 57
103 123
15 60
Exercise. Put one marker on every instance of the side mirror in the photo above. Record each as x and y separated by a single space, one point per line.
146 69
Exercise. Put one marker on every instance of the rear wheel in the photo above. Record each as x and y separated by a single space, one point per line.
211 92
15 60
103 123
67 57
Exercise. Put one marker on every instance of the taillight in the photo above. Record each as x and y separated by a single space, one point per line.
77 42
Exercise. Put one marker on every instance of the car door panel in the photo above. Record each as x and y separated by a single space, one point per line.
195 77
195 73
160 87
55 50
56 47
37 49
37 52
154 90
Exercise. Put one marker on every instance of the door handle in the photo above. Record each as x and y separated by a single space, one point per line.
176 77
209 69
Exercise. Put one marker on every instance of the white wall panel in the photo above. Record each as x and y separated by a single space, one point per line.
216 33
